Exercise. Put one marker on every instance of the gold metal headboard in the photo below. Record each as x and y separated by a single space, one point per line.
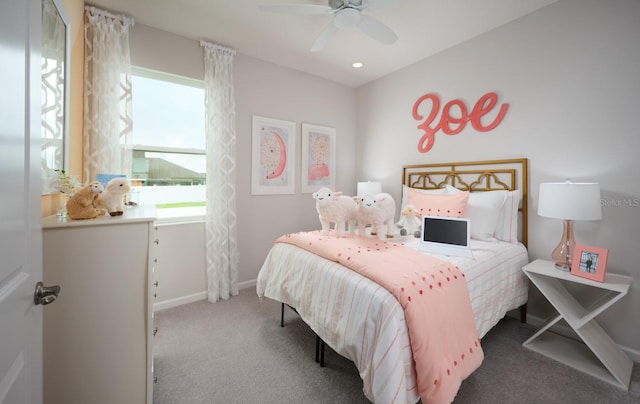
474 176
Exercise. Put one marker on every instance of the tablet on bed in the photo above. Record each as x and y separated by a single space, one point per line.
446 236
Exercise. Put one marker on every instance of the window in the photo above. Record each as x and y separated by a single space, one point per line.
169 161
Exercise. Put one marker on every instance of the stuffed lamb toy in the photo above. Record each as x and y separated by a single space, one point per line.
112 199
333 207
409 222
378 211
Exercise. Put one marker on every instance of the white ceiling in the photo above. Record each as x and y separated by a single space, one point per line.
424 27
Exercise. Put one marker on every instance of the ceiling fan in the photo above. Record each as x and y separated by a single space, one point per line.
346 14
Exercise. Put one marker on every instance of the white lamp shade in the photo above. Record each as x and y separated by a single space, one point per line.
369 188
570 201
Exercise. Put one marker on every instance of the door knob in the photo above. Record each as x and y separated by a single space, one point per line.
45 294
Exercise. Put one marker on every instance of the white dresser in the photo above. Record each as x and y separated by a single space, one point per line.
98 333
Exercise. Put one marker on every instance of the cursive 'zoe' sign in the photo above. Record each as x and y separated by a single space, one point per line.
450 124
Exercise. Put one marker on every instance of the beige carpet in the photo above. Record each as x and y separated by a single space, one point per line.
236 352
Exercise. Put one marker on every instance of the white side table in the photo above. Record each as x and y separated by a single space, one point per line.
599 355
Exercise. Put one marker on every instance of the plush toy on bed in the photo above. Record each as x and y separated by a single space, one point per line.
333 207
409 222
82 204
112 199
378 211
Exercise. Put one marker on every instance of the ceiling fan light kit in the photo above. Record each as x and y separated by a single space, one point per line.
347 18
346 14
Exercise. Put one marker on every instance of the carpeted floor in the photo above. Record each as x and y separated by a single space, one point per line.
236 352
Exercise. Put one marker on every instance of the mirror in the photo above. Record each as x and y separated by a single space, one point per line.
55 52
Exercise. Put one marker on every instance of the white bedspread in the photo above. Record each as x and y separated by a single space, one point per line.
363 322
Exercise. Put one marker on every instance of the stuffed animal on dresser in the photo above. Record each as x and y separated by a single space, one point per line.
82 204
112 199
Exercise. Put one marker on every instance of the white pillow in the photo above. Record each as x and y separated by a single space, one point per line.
483 210
405 193
507 226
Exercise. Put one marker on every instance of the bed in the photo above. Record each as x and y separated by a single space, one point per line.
365 323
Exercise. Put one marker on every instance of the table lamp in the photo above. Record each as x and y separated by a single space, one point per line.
568 201
368 188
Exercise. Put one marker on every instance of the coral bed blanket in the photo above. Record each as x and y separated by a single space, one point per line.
434 295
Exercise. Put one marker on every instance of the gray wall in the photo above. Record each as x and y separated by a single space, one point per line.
272 91
570 75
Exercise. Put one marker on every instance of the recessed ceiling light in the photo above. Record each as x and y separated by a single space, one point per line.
357 65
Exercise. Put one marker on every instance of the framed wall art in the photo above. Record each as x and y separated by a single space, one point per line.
589 262
318 157
273 156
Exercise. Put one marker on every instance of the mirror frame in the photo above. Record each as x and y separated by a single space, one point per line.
65 88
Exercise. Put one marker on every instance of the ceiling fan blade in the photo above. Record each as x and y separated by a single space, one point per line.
377 30
324 37
301 9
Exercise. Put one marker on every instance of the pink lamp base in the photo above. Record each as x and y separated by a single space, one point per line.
563 253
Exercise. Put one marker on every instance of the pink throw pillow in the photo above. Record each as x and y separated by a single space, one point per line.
439 205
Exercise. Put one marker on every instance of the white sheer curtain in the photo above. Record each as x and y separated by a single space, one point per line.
220 113
107 94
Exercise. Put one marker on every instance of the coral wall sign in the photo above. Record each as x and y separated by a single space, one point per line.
454 117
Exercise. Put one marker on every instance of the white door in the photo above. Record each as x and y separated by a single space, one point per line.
20 229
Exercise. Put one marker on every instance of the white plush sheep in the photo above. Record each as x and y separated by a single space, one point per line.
112 199
378 211
333 207
410 222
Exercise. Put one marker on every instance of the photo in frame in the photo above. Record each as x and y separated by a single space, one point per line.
318 157
589 262
273 156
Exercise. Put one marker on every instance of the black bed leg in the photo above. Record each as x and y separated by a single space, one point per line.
319 341
320 351
282 316
523 313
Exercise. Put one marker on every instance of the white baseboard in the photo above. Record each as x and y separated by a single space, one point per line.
566 331
247 284
179 301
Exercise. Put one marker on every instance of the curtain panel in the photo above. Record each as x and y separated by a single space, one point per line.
221 228
107 94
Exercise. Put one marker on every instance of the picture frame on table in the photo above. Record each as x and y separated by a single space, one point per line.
589 262
273 156
318 157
